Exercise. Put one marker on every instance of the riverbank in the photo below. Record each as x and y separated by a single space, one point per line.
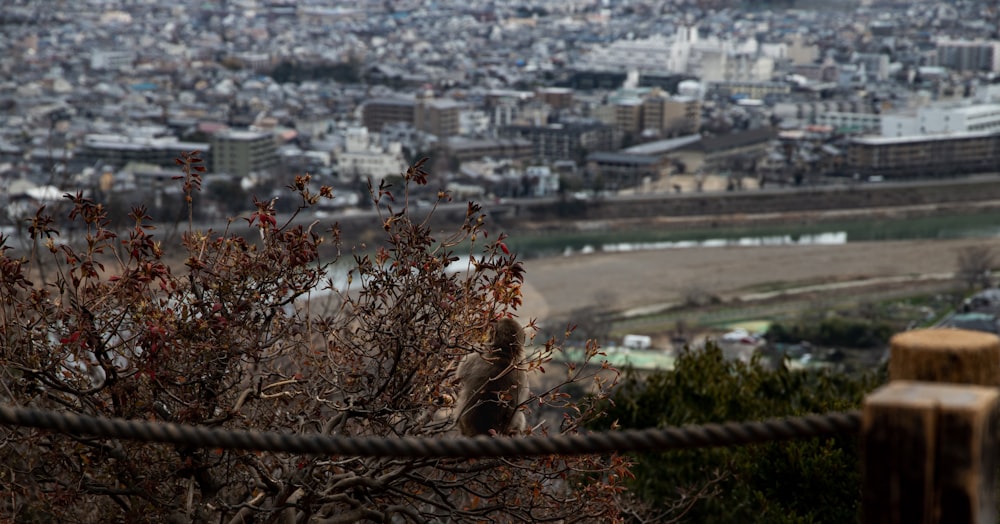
762 219
954 193
619 282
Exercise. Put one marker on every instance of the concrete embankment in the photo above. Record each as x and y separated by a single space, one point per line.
695 210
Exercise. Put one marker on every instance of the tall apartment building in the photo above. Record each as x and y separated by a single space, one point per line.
438 116
378 112
748 68
876 66
653 108
240 153
800 51
569 141
556 97
671 115
118 150
628 116
682 114
645 110
505 105
969 55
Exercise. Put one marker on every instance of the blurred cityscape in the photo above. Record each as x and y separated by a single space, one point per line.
516 99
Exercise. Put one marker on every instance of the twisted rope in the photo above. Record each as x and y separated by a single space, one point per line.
665 439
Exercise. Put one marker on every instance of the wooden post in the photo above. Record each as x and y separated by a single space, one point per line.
929 448
929 454
946 355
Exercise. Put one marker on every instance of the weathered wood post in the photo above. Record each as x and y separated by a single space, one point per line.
954 356
929 437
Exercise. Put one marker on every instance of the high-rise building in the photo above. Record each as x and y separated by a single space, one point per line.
378 112
651 112
505 105
438 116
240 153
566 141
969 55
628 115
681 115
556 97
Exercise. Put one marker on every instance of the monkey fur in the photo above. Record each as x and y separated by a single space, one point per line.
492 386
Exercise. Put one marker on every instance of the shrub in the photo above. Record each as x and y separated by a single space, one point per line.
814 480
247 328
835 331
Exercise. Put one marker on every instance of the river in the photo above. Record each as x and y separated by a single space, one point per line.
969 225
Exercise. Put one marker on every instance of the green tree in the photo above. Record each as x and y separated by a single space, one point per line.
252 332
229 195
835 331
815 480
348 72
975 266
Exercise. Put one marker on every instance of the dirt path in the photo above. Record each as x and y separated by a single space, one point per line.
621 281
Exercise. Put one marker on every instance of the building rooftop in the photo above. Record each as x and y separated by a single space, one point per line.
444 103
457 143
888 140
622 158
977 109
392 101
241 135
663 146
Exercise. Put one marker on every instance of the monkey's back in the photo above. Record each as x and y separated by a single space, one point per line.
496 406
493 387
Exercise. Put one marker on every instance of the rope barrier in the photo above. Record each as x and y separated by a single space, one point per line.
656 440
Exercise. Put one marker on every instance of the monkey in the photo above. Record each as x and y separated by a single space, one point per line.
492 386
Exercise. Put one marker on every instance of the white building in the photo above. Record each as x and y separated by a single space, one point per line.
361 159
656 54
930 120
111 60
473 122
710 59
691 89
543 181
900 124
851 122
801 52
748 68
876 66
775 51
